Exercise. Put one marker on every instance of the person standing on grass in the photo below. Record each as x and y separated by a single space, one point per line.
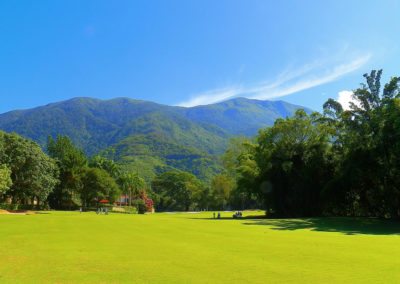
219 215
214 215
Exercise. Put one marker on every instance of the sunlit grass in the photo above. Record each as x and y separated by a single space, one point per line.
68 247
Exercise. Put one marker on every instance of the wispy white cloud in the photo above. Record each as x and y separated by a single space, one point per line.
310 82
212 96
291 81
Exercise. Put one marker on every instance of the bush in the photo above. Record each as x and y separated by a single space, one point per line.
6 206
140 205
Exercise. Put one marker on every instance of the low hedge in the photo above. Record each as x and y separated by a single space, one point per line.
7 206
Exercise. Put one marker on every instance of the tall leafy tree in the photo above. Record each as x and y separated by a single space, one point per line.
32 172
177 190
97 184
366 182
108 165
72 163
294 158
221 186
132 185
240 165
344 162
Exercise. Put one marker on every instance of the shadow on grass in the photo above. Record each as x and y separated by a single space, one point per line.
41 212
345 225
253 217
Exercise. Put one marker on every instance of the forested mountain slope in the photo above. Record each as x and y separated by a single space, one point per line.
147 135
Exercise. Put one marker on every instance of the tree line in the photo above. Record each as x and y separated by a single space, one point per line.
64 178
340 162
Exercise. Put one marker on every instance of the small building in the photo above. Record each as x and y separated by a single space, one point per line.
123 200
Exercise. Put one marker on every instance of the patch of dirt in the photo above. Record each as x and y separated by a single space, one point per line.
17 212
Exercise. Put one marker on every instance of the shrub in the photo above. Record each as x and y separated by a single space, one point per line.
140 205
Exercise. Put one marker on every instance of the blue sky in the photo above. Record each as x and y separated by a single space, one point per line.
193 52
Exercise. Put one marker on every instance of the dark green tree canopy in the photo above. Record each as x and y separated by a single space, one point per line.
344 162
97 184
177 190
72 163
33 174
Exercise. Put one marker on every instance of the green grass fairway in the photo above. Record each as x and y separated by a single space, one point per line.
68 247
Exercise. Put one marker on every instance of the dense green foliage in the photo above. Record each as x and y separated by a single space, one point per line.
98 185
146 136
221 189
240 166
294 162
72 163
342 162
27 174
140 205
85 182
94 124
177 190
112 168
5 178
153 154
69 179
132 185
242 116
368 150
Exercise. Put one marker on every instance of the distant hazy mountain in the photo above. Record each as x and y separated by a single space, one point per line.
147 136
241 116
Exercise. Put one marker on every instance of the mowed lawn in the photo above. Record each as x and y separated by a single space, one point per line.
68 247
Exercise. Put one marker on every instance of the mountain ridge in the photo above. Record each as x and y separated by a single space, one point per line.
130 125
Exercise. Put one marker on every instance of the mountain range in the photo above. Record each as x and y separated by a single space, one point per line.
146 136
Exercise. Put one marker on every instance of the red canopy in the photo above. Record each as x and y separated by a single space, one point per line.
104 201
